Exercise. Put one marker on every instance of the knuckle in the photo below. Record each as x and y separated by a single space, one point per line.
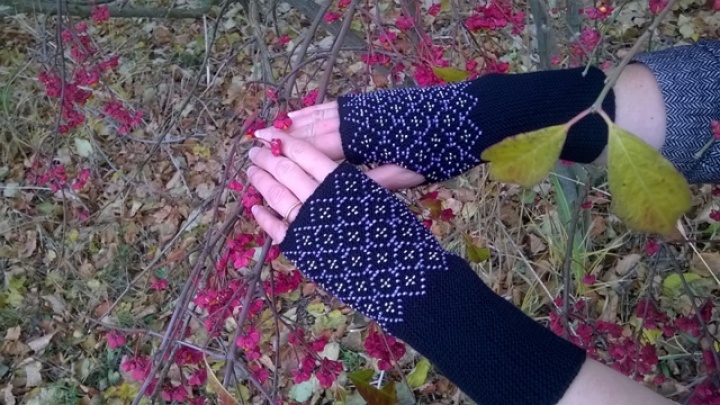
309 131
276 193
284 167
298 149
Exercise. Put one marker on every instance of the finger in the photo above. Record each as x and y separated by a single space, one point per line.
274 227
394 177
277 196
285 171
310 110
324 135
327 116
311 160
311 127
326 139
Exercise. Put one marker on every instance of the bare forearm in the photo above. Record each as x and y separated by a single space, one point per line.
639 106
597 384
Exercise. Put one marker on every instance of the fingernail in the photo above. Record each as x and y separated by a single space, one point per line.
255 209
250 170
292 114
253 151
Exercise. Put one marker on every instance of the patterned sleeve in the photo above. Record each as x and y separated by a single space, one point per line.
689 78
364 246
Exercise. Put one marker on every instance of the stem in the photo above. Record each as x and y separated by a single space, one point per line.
544 37
578 117
79 10
255 277
597 105
309 35
699 154
567 260
322 87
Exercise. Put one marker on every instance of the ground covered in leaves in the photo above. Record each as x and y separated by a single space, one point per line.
133 269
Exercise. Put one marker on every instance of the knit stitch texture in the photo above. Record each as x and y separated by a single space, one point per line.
441 131
361 244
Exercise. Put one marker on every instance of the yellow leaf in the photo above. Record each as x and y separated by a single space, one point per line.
224 397
445 5
475 253
648 193
417 377
651 335
316 309
673 285
450 75
527 158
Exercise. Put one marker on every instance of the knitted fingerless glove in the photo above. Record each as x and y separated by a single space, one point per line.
441 131
364 246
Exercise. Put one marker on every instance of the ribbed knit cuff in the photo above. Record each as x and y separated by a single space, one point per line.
689 78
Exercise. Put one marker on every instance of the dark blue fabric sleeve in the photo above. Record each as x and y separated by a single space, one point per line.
363 245
441 131
689 78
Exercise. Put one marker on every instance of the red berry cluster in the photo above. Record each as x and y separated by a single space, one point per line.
87 72
386 349
618 346
326 371
192 375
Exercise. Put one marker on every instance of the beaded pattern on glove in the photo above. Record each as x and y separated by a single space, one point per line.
427 129
361 244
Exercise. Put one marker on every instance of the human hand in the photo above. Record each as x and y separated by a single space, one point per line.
285 181
438 132
320 126
358 242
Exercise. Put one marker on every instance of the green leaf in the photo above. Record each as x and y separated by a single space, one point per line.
303 391
673 285
475 253
527 158
316 309
648 193
651 335
373 396
83 147
361 376
331 320
450 75
214 385
418 376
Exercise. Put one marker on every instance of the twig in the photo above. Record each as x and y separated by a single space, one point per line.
304 46
252 284
185 103
132 331
709 336
311 9
615 75
543 33
84 10
207 51
254 15
271 302
182 302
152 265
322 88
567 260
